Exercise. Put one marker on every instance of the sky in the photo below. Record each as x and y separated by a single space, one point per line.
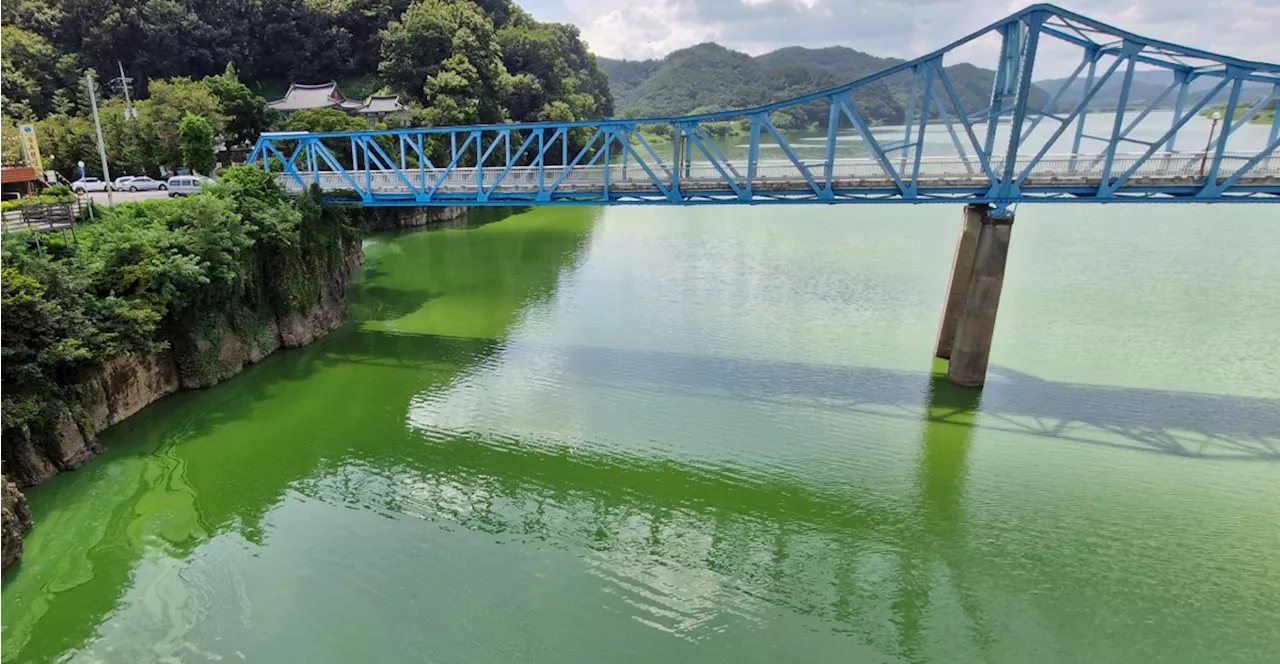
638 29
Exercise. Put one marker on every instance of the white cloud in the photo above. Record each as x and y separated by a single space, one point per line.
902 28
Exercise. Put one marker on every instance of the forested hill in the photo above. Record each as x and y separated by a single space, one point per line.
46 44
710 77
492 54
453 62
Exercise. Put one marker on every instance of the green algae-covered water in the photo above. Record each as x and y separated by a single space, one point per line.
708 435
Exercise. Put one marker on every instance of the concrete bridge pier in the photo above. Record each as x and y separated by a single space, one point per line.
961 269
973 297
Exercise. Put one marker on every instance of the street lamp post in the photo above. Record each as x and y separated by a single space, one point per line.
86 195
1204 157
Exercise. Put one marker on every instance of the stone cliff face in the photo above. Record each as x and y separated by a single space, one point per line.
15 521
398 219
301 328
124 385
110 393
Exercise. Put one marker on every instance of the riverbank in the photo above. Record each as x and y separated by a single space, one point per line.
159 297
590 409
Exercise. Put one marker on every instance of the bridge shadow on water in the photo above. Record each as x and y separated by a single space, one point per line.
932 539
1184 424
1178 423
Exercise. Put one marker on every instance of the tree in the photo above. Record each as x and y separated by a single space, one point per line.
453 94
10 143
324 120
525 99
450 37
328 120
32 70
38 16
197 144
159 117
247 114
67 139
554 55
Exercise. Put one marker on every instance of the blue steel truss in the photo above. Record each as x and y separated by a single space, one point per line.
1010 151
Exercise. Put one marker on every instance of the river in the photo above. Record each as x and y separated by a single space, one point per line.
640 435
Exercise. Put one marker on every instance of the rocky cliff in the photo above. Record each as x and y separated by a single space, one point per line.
15 520
117 389
390 219
124 385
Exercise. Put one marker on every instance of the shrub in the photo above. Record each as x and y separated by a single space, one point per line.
148 276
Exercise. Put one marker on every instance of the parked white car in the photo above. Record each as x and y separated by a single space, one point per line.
142 183
122 182
88 184
187 185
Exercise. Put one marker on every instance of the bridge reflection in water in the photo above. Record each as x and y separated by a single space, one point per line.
691 547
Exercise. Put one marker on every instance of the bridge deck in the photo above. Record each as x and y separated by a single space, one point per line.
1174 174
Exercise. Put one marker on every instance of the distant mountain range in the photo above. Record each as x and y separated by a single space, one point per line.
709 77
1147 86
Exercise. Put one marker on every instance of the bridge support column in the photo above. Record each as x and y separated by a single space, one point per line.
972 346
961 270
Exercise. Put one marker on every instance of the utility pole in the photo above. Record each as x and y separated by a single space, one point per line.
130 111
102 150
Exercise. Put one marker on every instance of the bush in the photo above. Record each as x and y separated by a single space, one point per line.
148 276
43 199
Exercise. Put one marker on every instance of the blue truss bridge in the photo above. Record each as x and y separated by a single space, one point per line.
1129 125
1010 150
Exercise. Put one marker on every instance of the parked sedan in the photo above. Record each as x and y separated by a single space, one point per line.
88 184
122 182
141 183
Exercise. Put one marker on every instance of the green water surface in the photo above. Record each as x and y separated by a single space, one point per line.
708 435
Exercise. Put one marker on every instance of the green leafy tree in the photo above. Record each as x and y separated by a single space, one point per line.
47 333
453 94
324 120
10 143
328 120
247 114
160 116
197 144
67 139
439 51
526 98
556 57
32 70
38 16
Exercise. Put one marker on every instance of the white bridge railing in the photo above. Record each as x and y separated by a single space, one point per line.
783 175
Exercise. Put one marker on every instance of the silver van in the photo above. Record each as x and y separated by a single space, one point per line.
186 185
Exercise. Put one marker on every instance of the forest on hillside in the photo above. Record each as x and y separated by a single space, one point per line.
453 61
710 77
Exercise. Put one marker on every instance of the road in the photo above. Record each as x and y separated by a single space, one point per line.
100 197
